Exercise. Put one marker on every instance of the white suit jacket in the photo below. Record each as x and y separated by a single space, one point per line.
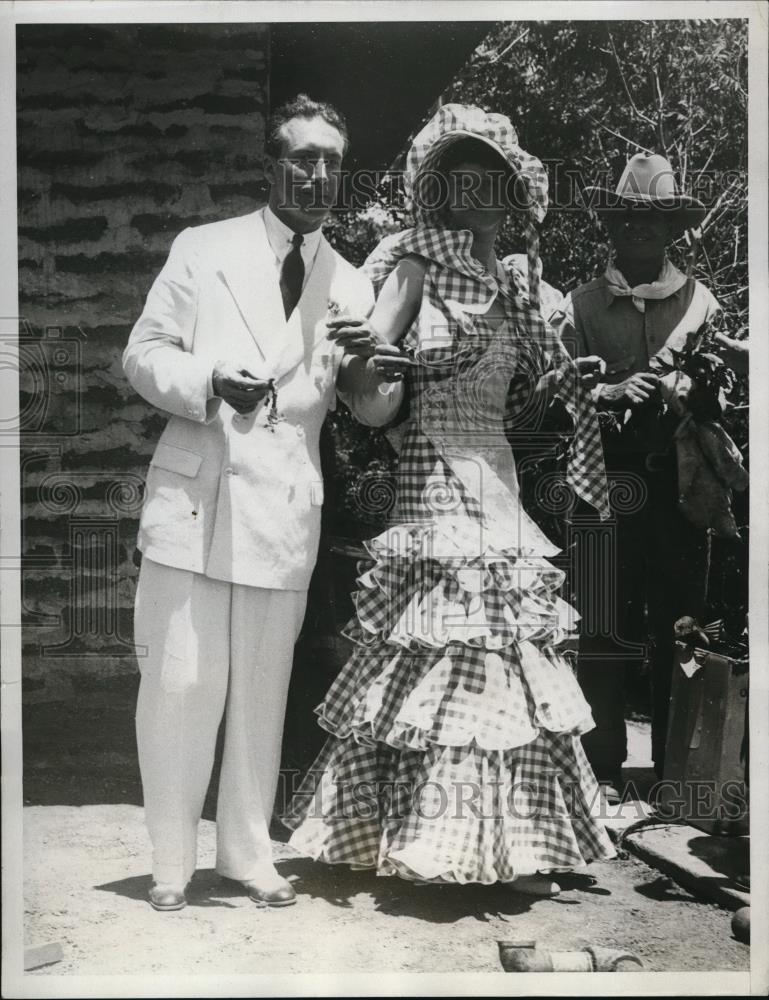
224 495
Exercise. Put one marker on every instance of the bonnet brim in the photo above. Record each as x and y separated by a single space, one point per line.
457 121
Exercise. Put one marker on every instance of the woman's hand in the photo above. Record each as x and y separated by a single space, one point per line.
389 362
590 370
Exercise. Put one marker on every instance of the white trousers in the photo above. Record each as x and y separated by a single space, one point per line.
206 648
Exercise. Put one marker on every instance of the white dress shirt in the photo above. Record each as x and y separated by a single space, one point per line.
280 236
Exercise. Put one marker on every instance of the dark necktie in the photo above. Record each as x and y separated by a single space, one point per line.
292 275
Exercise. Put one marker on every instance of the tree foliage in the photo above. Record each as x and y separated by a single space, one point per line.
584 96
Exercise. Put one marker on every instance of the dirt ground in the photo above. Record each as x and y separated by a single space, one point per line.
86 875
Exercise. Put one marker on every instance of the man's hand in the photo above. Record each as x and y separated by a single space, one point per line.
590 370
238 387
633 391
389 363
356 336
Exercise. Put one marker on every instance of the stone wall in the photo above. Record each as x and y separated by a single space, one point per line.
126 134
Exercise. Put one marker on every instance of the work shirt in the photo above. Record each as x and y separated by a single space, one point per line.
593 321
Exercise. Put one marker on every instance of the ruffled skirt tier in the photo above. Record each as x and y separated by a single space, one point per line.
454 751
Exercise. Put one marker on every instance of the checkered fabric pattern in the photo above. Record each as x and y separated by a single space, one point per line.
457 291
454 696
451 814
456 683
418 600
420 462
453 753
456 121
532 254
517 264
422 179
459 286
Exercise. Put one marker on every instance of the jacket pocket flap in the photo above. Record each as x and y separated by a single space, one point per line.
173 459
620 365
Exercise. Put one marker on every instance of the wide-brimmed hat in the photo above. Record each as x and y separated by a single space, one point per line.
459 121
647 181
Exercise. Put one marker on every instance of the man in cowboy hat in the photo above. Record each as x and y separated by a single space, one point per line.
658 562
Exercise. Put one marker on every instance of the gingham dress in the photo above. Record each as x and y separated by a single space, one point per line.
454 751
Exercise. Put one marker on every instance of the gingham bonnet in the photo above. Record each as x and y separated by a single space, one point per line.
458 121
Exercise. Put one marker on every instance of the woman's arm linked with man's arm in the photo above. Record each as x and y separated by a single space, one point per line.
372 360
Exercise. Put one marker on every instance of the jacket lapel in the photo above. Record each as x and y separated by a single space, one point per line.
307 324
249 273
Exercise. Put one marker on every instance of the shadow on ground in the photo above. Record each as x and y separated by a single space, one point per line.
728 855
665 890
342 887
206 889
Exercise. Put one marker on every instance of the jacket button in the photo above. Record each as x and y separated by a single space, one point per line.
229 472
300 431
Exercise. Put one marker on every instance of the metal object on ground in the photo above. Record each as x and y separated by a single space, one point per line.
524 956
705 757
741 924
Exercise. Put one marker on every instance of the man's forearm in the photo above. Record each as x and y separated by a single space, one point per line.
158 359
170 378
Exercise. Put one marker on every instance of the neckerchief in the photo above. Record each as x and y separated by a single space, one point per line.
669 280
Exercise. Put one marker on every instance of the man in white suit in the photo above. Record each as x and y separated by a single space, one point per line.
234 344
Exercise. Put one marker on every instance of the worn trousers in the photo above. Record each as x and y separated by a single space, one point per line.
207 649
652 569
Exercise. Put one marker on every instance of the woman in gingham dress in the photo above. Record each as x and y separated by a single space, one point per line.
454 751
